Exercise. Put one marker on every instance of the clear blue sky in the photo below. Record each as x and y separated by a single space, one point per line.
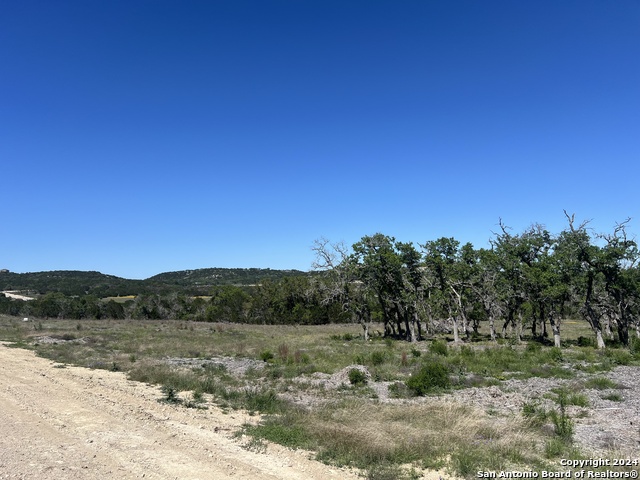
138 137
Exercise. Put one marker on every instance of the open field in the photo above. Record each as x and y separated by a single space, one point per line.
354 403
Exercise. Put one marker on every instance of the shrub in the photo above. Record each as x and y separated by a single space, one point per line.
432 376
586 342
439 347
534 347
357 377
563 426
378 358
266 355
618 357
556 354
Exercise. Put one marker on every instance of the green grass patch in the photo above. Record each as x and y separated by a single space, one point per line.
600 383
614 397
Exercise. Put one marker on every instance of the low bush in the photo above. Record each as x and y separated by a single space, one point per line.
431 377
439 347
266 355
357 377
377 358
563 425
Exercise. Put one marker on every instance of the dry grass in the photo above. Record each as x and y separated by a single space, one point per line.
434 434
122 299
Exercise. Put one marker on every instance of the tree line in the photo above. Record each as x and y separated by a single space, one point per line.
532 280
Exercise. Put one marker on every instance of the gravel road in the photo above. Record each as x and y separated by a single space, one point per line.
77 423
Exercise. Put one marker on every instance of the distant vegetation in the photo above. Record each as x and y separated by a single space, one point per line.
206 277
189 282
533 280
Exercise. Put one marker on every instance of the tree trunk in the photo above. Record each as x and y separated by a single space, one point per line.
416 331
534 322
456 332
461 316
555 327
492 327
592 317
507 322
476 326
504 327
429 326
607 328
465 325
623 333
365 320
365 327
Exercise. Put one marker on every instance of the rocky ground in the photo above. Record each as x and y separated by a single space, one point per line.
603 427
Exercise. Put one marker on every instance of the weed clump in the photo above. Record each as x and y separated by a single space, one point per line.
170 395
535 413
266 355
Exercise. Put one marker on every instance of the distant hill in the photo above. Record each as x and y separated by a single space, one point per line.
69 282
222 276
194 282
